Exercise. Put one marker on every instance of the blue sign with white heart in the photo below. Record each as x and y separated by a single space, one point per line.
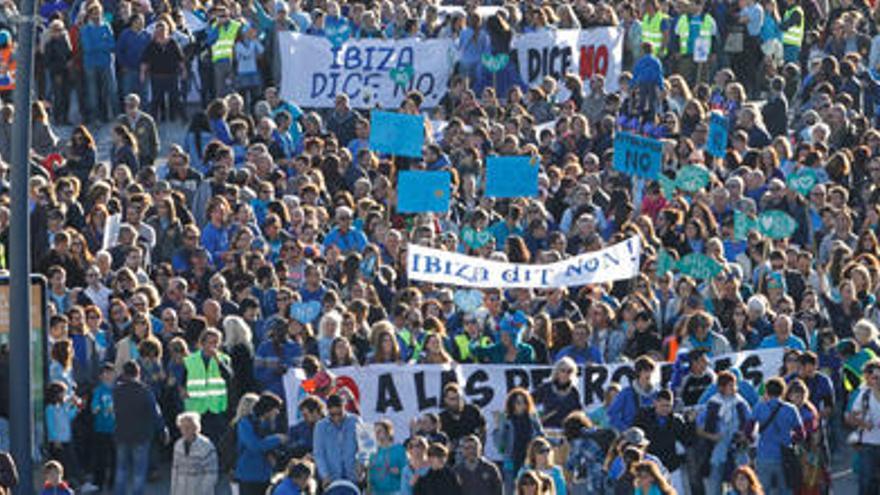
305 312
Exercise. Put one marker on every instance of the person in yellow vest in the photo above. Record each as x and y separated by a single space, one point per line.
7 64
655 28
221 39
207 373
473 333
696 31
792 27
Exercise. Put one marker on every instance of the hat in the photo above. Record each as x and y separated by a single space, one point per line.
634 436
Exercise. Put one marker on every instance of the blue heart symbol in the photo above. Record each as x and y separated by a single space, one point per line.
305 312
337 34
469 300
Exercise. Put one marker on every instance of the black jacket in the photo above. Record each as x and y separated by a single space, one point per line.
663 436
440 482
138 417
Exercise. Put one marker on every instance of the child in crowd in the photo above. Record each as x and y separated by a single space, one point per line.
103 427
53 476
61 409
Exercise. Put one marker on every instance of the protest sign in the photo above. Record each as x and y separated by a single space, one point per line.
667 186
637 156
468 300
617 262
476 239
717 144
775 224
692 178
512 176
314 69
397 133
405 391
586 52
696 265
803 181
423 192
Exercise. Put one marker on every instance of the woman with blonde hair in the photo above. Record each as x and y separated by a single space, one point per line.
539 458
238 344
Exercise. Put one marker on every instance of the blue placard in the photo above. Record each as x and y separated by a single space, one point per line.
637 156
397 133
512 176
717 145
423 192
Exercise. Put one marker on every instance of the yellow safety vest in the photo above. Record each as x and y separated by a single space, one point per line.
463 344
223 47
794 35
205 388
652 32
683 30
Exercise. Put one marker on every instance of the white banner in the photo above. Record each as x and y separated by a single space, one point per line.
403 392
617 262
314 72
583 52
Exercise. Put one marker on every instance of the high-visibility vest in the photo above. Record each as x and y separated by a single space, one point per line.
652 32
463 344
7 69
205 388
794 35
222 49
683 30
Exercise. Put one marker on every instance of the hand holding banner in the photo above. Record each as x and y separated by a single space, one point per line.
637 156
397 133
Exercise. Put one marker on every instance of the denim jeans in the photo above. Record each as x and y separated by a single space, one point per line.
133 460
869 465
131 83
772 477
101 93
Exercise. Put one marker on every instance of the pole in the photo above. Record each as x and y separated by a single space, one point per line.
21 407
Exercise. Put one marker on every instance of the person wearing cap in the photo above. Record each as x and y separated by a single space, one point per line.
632 438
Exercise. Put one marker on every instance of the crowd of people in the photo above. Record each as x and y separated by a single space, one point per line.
185 279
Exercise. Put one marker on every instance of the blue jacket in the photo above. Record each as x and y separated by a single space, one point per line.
97 44
59 420
286 487
587 355
353 240
622 412
216 241
336 448
102 409
786 425
252 463
130 48
269 366
648 70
